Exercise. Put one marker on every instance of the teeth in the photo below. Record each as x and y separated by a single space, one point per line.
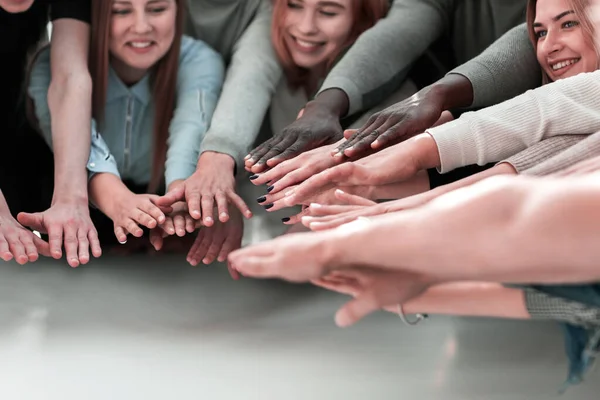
564 64
306 44
140 45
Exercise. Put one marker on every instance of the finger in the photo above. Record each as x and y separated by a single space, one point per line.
232 272
55 240
317 184
173 196
368 134
257 250
71 245
94 242
120 234
153 211
133 228
169 226
17 249
142 216
190 224
41 246
30 249
390 135
179 224
373 122
352 199
156 238
214 247
339 287
200 247
275 173
232 242
355 310
359 146
275 150
5 253
240 204
348 133
316 225
193 204
222 207
260 151
208 202
275 202
84 246
292 151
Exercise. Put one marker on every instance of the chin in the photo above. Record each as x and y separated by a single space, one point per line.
305 63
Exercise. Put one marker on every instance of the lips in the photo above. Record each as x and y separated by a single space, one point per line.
307 45
556 66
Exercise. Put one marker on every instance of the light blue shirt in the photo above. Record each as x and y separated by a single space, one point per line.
124 147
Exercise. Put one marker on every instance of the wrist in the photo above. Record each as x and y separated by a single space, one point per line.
452 91
426 152
333 101
218 160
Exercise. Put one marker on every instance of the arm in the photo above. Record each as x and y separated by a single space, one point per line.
518 230
381 57
249 84
504 70
199 81
569 106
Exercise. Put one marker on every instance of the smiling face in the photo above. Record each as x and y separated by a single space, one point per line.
141 33
16 6
316 30
563 48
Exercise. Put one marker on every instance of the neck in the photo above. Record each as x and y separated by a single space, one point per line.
127 74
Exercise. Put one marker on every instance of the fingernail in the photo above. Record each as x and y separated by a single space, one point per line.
339 191
268 206
208 220
269 189
261 199
253 177
224 215
286 219
247 157
123 242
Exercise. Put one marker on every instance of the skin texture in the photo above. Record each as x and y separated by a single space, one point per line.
16 6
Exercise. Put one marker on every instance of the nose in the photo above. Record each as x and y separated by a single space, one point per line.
552 43
141 24
307 24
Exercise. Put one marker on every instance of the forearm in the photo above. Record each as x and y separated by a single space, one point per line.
104 188
3 204
517 230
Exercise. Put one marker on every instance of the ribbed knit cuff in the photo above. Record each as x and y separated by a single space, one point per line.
542 151
455 148
543 306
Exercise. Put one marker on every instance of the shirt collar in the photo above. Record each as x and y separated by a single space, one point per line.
117 89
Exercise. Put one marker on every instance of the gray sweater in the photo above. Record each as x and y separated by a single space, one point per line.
381 58
241 31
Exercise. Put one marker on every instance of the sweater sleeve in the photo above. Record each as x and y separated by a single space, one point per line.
586 148
249 85
569 106
380 59
504 70
542 152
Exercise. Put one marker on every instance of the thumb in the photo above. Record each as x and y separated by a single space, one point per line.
42 247
34 221
173 196
355 310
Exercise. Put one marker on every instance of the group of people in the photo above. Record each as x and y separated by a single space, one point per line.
441 156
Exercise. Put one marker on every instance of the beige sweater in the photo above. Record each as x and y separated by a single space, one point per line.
566 107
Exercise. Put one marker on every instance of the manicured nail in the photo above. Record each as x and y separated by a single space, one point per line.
253 177
286 219
247 157
261 199
224 215
270 188
268 206
339 191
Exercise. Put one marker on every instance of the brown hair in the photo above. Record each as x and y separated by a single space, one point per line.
163 81
365 13
580 9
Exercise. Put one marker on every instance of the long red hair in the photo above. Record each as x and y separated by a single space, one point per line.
365 14
163 81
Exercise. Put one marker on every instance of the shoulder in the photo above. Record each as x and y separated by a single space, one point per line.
73 9
193 50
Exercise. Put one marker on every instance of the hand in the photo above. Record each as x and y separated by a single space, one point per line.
70 222
316 127
178 222
372 290
394 164
216 242
19 243
589 166
298 169
128 211
397 122
212 182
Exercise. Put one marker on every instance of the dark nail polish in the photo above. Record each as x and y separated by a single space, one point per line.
268 206
286 219
261 199
269 189
253 177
